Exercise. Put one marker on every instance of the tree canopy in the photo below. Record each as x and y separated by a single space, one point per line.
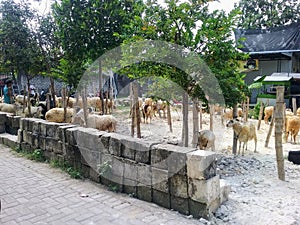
18 43
268 13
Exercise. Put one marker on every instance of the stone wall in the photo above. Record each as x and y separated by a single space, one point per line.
171 176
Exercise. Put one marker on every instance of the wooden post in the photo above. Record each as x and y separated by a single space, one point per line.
260 115
278 131
270 130
294 106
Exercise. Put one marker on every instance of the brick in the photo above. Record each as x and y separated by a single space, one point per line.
204 191
115 145
161 198
144 192
179 186
144 174
180 204
130 169
160 180
201 164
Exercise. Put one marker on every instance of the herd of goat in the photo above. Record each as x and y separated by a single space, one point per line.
74 113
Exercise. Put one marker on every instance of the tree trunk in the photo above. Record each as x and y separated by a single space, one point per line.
84 103
195 122
53 91
169 117
247 109
64 103
24 99
200 115
111 93
28 97
235 137
294 106
278 131
211 115
132 111
101 87
137 111
185 119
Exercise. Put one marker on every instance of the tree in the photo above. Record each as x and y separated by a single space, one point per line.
86 28
178 23
19 48
20 53
268 13
50 46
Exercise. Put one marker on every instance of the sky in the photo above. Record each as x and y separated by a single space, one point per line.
227 5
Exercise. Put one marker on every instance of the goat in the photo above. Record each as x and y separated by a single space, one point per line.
244 133
268 111
292 126
206 139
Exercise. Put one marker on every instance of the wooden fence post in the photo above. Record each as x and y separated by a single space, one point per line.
260 114
270 130
278 114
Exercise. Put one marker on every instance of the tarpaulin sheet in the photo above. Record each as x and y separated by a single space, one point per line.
282 38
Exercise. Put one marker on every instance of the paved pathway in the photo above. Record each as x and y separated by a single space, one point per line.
35 193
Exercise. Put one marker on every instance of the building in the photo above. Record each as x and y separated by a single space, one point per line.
272 51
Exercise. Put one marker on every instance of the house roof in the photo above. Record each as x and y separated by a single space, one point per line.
273 40
277 77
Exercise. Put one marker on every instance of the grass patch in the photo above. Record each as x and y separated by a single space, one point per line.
66 167
37 155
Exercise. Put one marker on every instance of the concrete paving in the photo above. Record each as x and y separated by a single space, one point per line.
36 193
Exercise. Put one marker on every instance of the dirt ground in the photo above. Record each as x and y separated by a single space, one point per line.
257 196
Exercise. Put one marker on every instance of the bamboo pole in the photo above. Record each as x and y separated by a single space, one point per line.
278 131
270 130
260 115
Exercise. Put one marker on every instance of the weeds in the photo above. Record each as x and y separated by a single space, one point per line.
37 155
104 169
66 167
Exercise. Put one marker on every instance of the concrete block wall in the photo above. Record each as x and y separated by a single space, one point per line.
171 176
